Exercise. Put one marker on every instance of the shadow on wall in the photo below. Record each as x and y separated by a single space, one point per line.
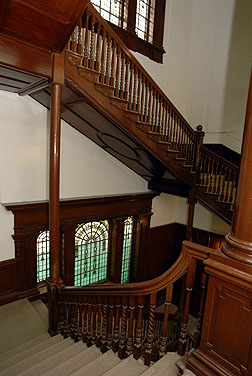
238 74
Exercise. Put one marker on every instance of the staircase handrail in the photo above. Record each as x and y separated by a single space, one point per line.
177 270
219 158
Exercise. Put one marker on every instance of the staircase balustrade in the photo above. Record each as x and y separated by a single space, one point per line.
101 57
124 317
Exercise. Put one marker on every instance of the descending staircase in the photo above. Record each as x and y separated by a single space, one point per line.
110 98
54 356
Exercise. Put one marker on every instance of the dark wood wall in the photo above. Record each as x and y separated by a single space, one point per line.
160 247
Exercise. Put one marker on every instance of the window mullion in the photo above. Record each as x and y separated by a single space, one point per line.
131 25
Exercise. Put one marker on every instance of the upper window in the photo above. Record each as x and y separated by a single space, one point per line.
43 256
139 23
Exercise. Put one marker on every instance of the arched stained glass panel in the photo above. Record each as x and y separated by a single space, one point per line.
43 256
91 252
126 256
115 11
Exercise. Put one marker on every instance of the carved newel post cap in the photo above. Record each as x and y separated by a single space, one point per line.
237 249
199 128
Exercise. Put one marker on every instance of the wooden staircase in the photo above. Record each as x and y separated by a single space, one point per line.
110 98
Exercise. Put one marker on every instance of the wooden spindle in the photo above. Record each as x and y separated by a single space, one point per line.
99 322
141 100
149 344
110 322
103 33
117 79
92 43
129 346
89 328
122 83
112 73
94 322
163 342
79 45
76 321
138 103
122 342
115 343
134 88
149 104
146 92
139 328
73 41
85 59
104 325
197 333
98 47
85 307
108 60
189 285
153 110
130 85
126 89
80 318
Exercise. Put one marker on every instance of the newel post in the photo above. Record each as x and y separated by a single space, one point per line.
199 142
226 341
54 224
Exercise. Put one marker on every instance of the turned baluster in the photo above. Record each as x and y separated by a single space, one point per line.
117 78
164 335
158 112
98 47
92 44
169 137
104 325
130 85
149 344
122 341
85 60
138 99
108 59
122 82
189 285
227 193
85 307
197 333
76 320
162 120
141 98
79 44
223 184
115 343
153 110
73 41
80 318
110 322
129 346
89 328
64 332
103 33
112 73
220 172
94 304
146 92
71 320
61 315
172 131
139 328
126 91
134 88
99 321
149 116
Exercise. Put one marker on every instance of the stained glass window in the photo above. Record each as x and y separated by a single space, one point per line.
91 252
145 19
127 242
115 11
43 256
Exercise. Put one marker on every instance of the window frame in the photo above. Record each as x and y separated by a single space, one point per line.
154 50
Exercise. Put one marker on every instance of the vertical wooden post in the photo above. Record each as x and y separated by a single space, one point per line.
56 90
199 141
191 202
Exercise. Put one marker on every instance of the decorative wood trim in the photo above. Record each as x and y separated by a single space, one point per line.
8 281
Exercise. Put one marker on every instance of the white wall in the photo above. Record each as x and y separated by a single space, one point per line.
207 64
86 170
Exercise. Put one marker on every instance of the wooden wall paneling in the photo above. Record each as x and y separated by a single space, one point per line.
68 250
8 281
144 227
116 278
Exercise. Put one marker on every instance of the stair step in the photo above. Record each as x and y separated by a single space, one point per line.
145 127
41 310
28 362
75 363
29 344
106 90
154 136
55 359
29 351
121 104
98 366
165 366
132 115
128 366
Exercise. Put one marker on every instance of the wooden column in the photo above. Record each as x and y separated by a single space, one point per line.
54 225
226 342
239 241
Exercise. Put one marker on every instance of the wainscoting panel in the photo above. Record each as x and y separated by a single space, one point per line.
8 280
